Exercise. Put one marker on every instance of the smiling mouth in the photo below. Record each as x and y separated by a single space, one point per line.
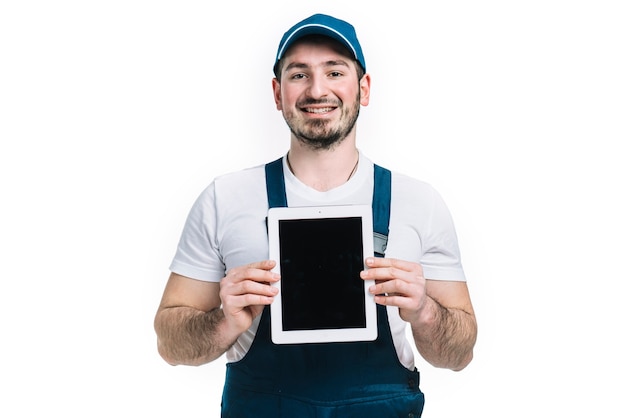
318 110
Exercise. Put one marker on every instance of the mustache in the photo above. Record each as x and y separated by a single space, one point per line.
311 102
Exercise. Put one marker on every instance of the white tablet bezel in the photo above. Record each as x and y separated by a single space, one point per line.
281 336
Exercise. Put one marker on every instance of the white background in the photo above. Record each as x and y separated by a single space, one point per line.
115 115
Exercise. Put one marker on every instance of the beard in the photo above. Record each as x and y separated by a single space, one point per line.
323 134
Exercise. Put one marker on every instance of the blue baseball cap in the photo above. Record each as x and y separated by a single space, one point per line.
320 24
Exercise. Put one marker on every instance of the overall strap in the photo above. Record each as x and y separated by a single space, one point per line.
275 184
381 208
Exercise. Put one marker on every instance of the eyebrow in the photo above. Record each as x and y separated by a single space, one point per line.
330 63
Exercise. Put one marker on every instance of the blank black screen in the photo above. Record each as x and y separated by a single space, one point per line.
320 263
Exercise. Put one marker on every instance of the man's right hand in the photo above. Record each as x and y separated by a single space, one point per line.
245 291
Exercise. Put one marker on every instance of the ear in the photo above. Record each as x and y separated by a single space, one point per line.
364 86
277 96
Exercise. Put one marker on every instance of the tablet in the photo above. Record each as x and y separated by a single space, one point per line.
320 252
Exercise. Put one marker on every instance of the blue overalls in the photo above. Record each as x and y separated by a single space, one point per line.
330 380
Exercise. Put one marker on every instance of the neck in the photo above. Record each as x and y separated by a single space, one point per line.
323 170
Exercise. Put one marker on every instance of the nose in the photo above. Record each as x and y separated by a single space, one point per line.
317 87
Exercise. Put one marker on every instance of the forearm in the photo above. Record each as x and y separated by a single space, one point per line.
445 337
191 337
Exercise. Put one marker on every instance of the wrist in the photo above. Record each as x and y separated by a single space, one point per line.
427 315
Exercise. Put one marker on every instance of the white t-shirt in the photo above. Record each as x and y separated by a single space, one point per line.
226 228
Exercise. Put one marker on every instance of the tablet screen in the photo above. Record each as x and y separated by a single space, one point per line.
320 263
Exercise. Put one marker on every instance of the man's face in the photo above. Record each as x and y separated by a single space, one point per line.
319 93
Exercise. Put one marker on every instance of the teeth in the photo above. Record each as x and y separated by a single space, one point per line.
319 110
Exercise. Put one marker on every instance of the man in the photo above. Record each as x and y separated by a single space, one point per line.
217 297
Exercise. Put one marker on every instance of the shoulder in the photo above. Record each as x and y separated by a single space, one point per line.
239 182
227 188
405 187
400 179
241 190
411 194
241 177
406 181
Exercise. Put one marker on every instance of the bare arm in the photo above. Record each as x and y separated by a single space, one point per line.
187 322
440 312
445 328
198 321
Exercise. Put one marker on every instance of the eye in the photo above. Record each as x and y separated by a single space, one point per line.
335 74
297 76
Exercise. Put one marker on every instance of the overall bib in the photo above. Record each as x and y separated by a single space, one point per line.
327 380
